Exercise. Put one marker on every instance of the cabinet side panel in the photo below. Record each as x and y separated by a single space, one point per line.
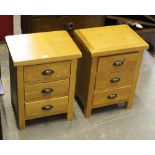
137 70
13 84
83 73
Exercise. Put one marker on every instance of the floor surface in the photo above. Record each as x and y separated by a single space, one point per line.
113 122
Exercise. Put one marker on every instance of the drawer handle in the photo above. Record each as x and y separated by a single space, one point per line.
47 107
47 90
118 63
115 80
69 26
112 96
48 72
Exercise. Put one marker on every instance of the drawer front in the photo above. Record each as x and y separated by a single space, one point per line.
46 107
111 96
47 72
47 90
114 80
117 63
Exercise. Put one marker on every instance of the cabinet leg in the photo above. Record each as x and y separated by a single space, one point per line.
129 105
87 112
21 124
70 115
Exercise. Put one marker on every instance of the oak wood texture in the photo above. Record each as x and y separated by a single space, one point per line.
13 84
20 89
86 71
101 48
83 74
88 106
106 64
130 101
42 87
60 70
110 40
72 90
37 48
147 21
35 109
104 81
101 97
35 91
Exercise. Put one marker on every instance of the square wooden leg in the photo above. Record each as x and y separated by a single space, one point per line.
87 111
21 107
72 90
21 124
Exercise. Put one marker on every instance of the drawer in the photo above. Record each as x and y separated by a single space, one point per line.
46 107
114 80
47 72
112 96
117 63
46 90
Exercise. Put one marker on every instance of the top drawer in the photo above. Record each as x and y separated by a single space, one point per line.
117 63
47 72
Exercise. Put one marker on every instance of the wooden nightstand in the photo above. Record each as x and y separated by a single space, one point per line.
108 70
43 74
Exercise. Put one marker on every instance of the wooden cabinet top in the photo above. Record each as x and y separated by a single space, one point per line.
36 48
110 40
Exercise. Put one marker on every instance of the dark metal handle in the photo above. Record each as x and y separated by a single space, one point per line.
47 90
69 26
47 107
115 80
112 96
48 72
118 63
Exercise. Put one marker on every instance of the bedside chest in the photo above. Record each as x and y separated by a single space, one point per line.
42 73
108 71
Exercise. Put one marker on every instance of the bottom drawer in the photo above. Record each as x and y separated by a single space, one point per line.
46 107
111 96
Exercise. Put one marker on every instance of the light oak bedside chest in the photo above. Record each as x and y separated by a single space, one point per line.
43 74
108 70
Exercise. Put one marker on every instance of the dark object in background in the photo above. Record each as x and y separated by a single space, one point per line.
6 26
147 32
149 36
43 23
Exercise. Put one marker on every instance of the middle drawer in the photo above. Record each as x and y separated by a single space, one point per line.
47 90
114 80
